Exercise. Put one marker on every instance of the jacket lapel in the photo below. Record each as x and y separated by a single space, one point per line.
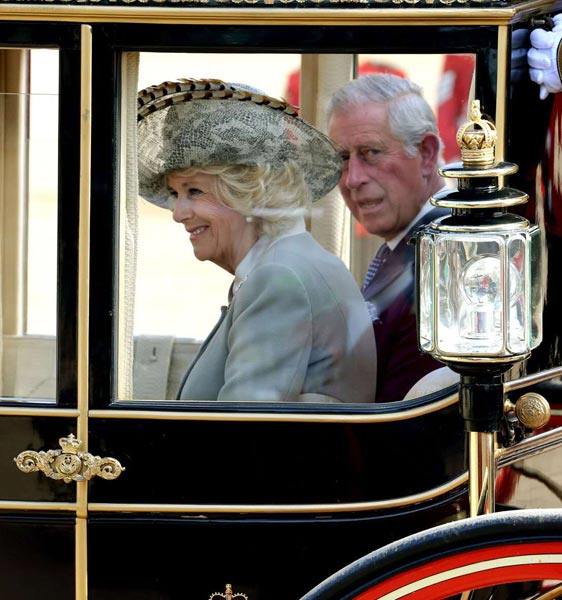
400 259
388 271
224 312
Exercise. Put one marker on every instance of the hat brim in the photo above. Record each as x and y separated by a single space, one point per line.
211 130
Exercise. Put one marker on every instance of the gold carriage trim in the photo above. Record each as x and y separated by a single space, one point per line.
68 463
401 3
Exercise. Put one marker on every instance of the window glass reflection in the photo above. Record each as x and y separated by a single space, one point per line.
178 299
29 125
42 195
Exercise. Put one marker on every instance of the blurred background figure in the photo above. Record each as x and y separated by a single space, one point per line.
453 93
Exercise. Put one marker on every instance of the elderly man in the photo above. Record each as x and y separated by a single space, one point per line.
389 142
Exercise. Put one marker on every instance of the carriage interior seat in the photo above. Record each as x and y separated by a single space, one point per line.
159 364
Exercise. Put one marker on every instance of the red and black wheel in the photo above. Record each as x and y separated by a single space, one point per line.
503 553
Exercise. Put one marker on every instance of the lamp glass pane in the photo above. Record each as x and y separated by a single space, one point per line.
426 291
536 297
470 272
516 294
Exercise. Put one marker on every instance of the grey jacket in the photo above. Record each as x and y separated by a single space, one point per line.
297 330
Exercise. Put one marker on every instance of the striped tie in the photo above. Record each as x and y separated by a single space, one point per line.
380 257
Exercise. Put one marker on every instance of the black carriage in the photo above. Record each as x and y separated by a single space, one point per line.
187 500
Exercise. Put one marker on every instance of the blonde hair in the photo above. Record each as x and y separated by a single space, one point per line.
273 197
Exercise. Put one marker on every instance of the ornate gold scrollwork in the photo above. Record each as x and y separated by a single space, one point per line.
228 594
68 463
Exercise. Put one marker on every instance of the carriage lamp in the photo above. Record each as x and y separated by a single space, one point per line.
479 275
479 292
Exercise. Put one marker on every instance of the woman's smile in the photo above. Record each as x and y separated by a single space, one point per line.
194 232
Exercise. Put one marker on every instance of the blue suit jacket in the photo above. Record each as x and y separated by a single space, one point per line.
400 363
296 330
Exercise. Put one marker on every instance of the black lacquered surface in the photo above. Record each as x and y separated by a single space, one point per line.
37 434
269 463
164 558
36 556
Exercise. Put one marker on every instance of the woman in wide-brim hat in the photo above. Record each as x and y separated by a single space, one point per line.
239 170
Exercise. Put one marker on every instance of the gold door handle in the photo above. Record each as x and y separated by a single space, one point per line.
68 463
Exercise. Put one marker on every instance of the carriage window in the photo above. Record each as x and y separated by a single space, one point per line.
170 299
28 195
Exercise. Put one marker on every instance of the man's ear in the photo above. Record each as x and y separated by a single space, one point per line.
429 152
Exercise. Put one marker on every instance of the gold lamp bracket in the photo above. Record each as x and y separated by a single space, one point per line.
68 463
228 594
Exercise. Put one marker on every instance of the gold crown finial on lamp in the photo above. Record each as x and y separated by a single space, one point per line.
477 140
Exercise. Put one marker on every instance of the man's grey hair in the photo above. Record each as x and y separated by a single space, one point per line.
409 114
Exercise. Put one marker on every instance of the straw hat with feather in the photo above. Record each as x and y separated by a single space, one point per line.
200 122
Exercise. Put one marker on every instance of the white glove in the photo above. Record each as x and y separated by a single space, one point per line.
543 58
